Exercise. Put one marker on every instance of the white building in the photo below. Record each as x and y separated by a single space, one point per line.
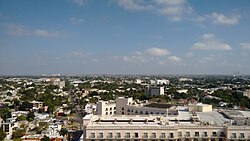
160 82
154 90
127 106
148 127
106 108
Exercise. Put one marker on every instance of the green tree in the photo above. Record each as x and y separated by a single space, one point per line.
30 116
45 138
21 118
2 135
18 134
63 132
5 113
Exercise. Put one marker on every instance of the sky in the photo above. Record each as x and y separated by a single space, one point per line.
124 37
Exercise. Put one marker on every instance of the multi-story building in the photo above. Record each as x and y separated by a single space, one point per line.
106 108
161 128
127 106
154 90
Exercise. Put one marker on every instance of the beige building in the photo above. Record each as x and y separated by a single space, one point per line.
162 128
128 106
106 108
200 107
247 93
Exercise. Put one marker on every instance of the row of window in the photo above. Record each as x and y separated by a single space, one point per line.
162 135
111 108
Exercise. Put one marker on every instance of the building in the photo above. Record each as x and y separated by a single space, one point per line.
160 82
199 107
152 127
247 93
154 90
128 106
106 108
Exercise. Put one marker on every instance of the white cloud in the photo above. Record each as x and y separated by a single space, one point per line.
79 2
222 19
76 21
157 51
245 45
174 9
189 54
207 59
175 59
209 42
44 33
19 30
137 5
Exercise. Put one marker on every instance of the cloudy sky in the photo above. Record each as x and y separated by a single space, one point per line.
124 36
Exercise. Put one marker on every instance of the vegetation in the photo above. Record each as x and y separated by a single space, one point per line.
2 135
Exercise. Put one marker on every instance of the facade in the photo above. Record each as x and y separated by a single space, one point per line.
127 106
246 93
154 90
160 82
200 108
148 127
106 108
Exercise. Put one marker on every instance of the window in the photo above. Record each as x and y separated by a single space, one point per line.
153 135
222 134
171 135
233 135
242 135
179 134
196 134
122 113
128 110
141 112
151 113
122 108
214 134
110 135
110 113
118 135
107 113
136 135
163 135
146 112
136 112
92 135
110 108
114 108
127 135
100 135
187 134
204 134
145 135
107 109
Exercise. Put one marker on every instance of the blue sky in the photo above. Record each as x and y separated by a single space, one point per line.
124 37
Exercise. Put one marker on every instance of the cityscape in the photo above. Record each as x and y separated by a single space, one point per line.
124 70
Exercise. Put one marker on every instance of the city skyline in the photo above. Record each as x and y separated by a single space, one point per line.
124 37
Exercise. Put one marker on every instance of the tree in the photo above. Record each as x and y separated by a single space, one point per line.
30 116
63 132
45 138
18 134
2 135
5 113
21 118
